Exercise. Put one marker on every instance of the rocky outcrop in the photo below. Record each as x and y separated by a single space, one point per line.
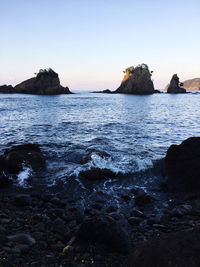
46 82
192 84
137 81
6 89
174 86
182 166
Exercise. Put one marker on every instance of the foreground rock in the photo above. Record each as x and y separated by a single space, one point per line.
180 249
94 174
105 230
46 82
28 155
137 81
174 86
182 165
17 159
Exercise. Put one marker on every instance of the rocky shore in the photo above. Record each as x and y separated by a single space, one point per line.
51 228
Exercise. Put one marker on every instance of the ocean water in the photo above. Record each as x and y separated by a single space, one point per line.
125 133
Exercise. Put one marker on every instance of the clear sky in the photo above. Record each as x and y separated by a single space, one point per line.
90 42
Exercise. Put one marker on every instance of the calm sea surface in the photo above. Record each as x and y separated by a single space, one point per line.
124 133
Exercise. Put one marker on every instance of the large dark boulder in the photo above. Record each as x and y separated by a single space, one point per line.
94 174
137 81
174 86
182 165
180 249
46 82
105 230
6 89
28 155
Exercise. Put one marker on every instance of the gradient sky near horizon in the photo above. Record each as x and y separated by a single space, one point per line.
90 42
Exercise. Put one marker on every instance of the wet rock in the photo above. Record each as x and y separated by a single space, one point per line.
97 174
137 213
21 238
104 230
125 197
3 238
181 210
180 249
29 155
22 248
182 166
144 199
59 226
134 220
111 208
22 200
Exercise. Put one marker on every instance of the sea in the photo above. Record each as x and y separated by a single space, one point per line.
128 134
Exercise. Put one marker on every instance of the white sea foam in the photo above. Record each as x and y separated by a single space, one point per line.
24 175
143 164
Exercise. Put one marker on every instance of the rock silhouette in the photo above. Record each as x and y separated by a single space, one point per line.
137 81
174 86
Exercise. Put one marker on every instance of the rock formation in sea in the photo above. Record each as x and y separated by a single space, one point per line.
137 80
192 84
46 82
174 86
6 89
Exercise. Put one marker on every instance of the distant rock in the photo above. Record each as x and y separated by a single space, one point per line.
46 82
137 81
106 91
174 86
6 89
192 84
182 166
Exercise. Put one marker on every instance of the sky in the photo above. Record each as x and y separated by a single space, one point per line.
90 42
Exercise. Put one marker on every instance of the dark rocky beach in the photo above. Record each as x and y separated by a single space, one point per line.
50 228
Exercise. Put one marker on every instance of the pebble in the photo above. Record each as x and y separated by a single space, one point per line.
22 239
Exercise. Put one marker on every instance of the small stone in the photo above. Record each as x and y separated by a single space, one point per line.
20 238
134 220
22 200
137 213
125 197
67 249
111 209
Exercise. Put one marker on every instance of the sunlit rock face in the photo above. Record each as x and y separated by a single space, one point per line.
137 81
174 86
46 82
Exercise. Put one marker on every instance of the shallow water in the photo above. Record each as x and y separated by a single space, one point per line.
125 133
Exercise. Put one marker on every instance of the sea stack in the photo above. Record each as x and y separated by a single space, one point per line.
46 82
174 86
6 89
137 80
